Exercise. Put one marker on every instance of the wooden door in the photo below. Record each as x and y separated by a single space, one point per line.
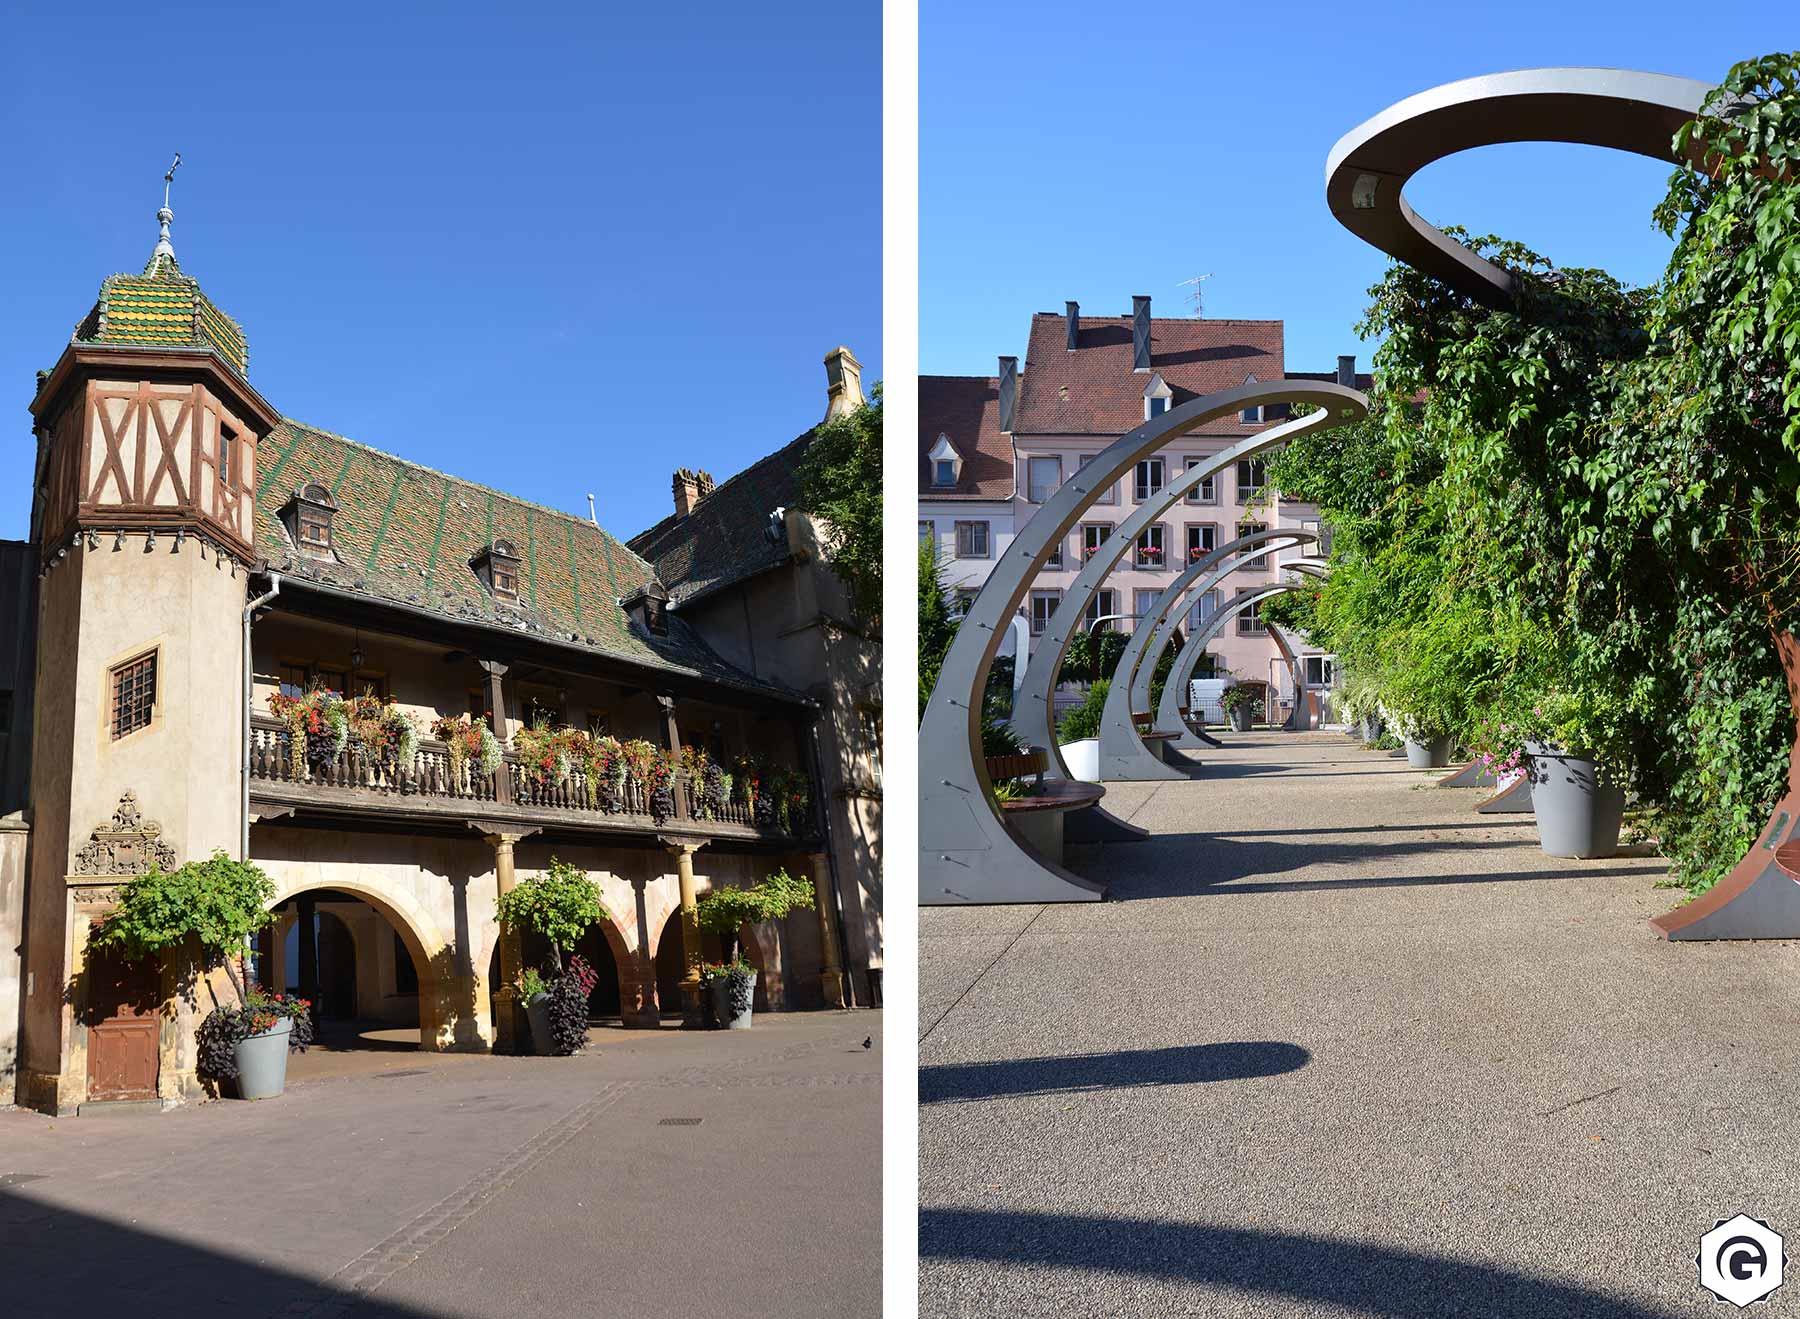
124 1023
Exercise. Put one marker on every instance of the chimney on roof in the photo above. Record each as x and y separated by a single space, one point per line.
690 488
843 383
1009 392
1140 333
1347 370
1072 314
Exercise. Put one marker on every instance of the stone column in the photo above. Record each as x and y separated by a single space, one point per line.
831 971
691 1014
511 1032
637 982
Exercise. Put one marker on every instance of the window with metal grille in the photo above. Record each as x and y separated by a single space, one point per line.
133 695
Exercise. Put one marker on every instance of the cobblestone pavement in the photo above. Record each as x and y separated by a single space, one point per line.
475 1187
1342 1047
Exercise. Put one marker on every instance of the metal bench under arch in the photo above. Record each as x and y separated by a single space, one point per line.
1123 753
1627 111
966 852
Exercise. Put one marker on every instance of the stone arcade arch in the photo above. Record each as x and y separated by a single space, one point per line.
966 852
1123 753
452 1012
1625 110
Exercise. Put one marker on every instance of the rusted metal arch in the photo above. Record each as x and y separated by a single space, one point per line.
1626 111
1123 754
966 852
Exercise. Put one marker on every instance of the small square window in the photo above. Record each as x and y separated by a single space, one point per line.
1202 540
133 695
1206 490
1043 608
943 472
1149 478
1042 477
971 540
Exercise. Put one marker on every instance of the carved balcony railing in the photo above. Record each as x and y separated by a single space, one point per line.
355 779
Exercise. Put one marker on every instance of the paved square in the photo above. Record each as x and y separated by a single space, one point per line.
475 1187
1343 1047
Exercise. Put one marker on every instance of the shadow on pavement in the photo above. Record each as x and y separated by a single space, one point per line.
1359 1276
1186 1064
64 1264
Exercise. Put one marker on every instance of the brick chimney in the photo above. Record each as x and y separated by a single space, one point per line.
843 383
686 486
1072 315
1347 370
1140 333
1009 392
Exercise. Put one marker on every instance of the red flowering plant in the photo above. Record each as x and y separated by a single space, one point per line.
468 740
318 729
653 770
709 787
1150 555
385 732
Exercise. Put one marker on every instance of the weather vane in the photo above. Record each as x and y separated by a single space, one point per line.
170 178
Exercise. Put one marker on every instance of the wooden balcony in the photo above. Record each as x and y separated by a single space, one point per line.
432 791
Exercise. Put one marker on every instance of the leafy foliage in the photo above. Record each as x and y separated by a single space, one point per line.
1083 721
1581 515
209 906
840 485
560 903
726 910
937 625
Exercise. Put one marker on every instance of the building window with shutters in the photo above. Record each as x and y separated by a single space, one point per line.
1042 477
133 695
972 540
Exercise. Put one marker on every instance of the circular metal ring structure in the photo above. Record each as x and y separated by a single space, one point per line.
1626 111
966 852
1168 714
1123 754
1617 108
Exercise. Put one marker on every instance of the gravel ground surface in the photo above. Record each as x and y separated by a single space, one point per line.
1342 1047
472 1187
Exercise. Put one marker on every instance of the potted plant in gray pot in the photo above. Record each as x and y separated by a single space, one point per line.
1577 754
1239 703
201 916
731 985
561 904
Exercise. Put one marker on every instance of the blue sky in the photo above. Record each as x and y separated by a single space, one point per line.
551 250
1095 152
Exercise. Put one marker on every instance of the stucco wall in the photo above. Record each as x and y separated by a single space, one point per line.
15 836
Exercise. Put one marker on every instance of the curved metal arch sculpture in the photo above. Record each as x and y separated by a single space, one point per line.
966 852
1034 714
1168 713
1300 718
1626 111
1123 755
1369 166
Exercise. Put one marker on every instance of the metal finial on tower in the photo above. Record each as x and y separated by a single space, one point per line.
165 216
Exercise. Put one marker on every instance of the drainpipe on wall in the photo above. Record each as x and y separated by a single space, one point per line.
244 783
837 881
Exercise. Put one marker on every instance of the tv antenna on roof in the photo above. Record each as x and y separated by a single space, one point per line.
1198 296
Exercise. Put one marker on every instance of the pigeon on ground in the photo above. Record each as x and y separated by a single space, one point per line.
868 1041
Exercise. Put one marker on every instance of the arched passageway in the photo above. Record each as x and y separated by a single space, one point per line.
670 965
596 950
363 976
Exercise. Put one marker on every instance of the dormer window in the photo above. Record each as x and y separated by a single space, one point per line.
308 516
648 607
946 463
1158 397
498 568
1251 416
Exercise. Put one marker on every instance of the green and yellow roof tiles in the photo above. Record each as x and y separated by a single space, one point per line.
163 308
406 533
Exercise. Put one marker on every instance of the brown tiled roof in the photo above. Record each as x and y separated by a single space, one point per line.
725 538
1094 391
404 533
967 410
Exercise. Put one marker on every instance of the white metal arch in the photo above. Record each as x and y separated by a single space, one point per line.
966 852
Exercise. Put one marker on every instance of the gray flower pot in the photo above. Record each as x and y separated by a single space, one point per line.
721 1003
537 1012
1579 808
1434 754
262 1062
1371 728
1241 716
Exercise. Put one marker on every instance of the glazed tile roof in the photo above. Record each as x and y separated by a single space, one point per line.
163 308
725 538
406 534
965 410
1094 391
